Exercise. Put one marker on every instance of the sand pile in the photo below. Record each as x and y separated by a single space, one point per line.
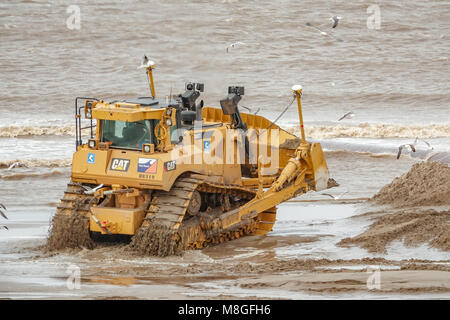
414 228
427 183
69 231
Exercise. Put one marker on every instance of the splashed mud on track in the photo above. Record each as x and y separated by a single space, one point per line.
69 231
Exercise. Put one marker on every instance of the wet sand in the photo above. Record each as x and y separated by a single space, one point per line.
247 269
300 259
281 265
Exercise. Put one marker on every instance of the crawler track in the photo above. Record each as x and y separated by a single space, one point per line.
168 228
168 212
74 201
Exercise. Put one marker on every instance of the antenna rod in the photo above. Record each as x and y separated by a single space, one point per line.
150 76
297 89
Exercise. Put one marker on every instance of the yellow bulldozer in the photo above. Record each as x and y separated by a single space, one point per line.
172 174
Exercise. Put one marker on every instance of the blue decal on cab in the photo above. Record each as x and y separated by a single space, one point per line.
206 145
91 158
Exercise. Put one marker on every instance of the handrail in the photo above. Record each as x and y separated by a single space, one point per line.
78 141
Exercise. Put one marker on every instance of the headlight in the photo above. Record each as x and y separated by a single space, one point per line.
169 122
88 109
148 148
169 111
92 143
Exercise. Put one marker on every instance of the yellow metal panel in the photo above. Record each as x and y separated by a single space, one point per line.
265 226
269 217
260 232
117 221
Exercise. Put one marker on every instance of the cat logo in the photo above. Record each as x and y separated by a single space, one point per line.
170 165
118 164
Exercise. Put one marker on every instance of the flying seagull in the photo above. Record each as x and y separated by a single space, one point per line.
9 25
322 32
234 45
90 190
348 115
2 213
13 165
335 20
317 28
418 140
146 63
406 146
412 146
250 110
335 197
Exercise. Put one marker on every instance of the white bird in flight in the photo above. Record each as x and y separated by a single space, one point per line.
417 140
1 212
13 165
146 63
405 146
335 197
234 45
317 28
412 146
251 110
90 190
348 115
323 32
9 25
335 20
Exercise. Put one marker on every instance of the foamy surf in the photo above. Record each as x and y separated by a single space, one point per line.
368 130
30 175
363 130
378 150
33 163
19 131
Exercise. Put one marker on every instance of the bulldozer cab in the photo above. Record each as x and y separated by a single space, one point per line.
128 124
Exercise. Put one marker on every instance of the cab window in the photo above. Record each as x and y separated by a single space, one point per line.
129 135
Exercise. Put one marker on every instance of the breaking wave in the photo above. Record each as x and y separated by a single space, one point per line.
28 175
18 131
363 130
367 130
32 163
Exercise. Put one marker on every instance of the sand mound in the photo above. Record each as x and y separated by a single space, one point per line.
427 183
414 228
69 231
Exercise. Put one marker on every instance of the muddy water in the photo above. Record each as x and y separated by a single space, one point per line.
301 249
395 79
